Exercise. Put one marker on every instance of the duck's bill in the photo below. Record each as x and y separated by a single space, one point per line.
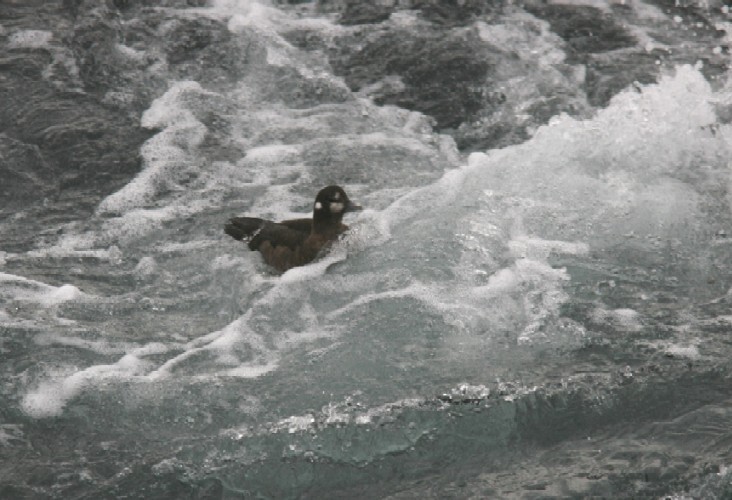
352 207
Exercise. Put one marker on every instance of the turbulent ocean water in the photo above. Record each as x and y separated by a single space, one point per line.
547 315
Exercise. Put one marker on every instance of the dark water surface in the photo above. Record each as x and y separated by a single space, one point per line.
534 304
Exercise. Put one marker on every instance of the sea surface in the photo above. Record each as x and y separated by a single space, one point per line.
549 318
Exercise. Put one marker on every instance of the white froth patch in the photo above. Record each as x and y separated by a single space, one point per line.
236 349
333 414
131 53
30 39
338 413
625 319
145 267
537 248
577 185
273 154
428 198
681 351
169 154
625 171
529 37
249 14
685 350
277 201
189 246
526 297
370 230
64 293
98 346
77 245
603 5
251 371
50 397
315 269
21 288
502 281
243 265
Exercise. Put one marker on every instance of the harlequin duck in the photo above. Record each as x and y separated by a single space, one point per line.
296 242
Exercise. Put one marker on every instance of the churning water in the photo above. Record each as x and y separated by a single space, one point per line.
549 319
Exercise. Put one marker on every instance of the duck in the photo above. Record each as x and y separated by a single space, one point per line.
296 242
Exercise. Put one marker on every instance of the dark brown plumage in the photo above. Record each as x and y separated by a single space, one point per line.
296 242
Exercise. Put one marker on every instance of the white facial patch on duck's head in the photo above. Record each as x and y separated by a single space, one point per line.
318 205
336 207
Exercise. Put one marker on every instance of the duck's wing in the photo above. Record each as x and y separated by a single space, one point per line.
304 225
259 230
243 227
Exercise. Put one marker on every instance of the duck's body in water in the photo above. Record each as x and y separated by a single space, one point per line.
296 242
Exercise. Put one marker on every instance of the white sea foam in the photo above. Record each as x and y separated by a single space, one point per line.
690 352
145 267
537 248
167 154
188 246
687 349
623 171
21 288
317 268
248 13
332 414
625 319
97 346
30 39
51 396
76 245
538 44
131 53
575 186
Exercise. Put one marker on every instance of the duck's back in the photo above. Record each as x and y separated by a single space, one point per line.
290 233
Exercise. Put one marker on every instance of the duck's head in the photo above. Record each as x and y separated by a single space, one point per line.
330 205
